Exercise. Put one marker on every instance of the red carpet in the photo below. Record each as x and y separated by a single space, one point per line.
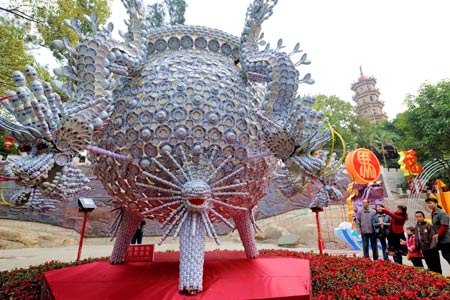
227 275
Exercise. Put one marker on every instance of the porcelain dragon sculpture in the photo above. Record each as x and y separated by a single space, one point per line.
184 124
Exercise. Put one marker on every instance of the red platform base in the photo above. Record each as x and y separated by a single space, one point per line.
227 275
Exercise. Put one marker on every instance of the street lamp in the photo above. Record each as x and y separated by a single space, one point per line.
84 205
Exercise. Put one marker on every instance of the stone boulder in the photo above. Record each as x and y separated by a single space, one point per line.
272 232
19 234
289 241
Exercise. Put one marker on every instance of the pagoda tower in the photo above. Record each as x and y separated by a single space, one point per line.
367 98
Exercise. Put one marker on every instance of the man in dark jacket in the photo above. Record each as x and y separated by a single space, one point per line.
424 237
441 227
139 234
364 225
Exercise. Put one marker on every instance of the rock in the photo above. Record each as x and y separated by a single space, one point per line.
260 236
9 235
272 233
18 234
10 245
304 227
289 241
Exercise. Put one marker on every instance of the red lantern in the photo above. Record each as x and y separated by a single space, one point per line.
9 140
362 166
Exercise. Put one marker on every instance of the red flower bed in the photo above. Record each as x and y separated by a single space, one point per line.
333 277
25 284
342 277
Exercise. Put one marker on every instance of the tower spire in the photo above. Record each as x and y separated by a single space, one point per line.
367 98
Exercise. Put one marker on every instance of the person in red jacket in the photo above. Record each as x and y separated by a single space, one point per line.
415 255
397 233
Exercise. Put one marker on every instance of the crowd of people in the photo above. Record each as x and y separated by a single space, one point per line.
421 242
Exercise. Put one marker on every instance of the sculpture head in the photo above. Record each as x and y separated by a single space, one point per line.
47 88
48 141
37 88
46 165
31 73
18 78
196 194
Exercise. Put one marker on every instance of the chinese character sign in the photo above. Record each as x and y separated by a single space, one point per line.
362 166
408 163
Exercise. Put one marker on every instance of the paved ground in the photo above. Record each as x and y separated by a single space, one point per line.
15 258
22 258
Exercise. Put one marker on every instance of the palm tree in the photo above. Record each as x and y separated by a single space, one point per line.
363 130
380 138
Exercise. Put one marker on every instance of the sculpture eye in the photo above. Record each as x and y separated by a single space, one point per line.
25 148
41 146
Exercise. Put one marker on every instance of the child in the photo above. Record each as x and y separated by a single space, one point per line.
424 238
415 255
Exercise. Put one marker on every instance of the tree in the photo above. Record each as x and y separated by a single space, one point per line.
15 55
157 13
177 9
340 114
54 14
38 21
380 139
377 137
400 124
26 23
357 131
45 18
17 12
362 131
425 125
13 52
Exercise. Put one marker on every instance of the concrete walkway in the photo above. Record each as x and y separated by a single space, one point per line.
23 258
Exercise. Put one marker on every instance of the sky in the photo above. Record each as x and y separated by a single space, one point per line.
402 43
